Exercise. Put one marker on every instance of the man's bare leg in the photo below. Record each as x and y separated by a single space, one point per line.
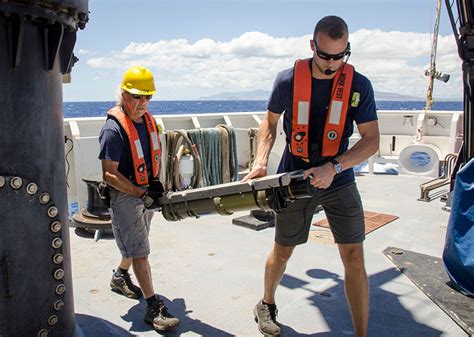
142 271
125 263
356 286
274 269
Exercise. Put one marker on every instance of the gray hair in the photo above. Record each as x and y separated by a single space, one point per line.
119 96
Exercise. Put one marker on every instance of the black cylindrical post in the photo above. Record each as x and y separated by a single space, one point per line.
36 43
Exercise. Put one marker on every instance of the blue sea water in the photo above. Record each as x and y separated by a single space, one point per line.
97 109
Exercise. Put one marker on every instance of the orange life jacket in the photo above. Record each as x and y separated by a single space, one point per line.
336 118
141 173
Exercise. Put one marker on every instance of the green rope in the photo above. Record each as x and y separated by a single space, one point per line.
234 155
208 143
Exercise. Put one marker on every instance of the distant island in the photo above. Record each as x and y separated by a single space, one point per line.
254 95
390 96
262 95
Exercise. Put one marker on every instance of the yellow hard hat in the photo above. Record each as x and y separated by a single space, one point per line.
139 81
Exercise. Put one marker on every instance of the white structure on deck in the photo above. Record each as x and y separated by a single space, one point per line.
404 135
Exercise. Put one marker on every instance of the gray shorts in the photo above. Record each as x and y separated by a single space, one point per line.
343 208
130 224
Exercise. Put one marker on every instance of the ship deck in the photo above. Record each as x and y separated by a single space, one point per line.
210 274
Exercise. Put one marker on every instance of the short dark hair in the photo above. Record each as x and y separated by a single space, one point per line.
333 26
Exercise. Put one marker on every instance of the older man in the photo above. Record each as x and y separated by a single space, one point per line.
130 152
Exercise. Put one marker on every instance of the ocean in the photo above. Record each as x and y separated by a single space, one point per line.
98 109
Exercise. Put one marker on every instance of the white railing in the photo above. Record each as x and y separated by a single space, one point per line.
440 130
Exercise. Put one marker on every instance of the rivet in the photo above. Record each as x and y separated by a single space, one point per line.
59 274
52 320
58 258
55 226
31 188
16 183
52 211
58 305
57 243
60 289
2 181
44 198
43 333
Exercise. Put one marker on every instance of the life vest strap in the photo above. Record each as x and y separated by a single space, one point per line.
336 118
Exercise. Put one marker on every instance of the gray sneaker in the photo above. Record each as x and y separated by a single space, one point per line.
158 316
265 316
123 285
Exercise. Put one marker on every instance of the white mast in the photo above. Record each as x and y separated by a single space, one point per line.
432 73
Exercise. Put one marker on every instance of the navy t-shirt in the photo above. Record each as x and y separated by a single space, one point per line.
281 100
115 146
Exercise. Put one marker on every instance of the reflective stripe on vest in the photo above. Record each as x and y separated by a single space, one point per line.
338 107
139 165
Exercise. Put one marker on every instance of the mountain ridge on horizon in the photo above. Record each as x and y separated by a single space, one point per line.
262 95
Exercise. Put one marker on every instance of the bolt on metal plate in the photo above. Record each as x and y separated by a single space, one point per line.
58 305
59 274
52 320
43 333
52 211
60 289
44 198
55 226
57 243
58 258
31 188
16 183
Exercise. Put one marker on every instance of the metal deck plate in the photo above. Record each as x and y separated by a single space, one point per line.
373 220
428 274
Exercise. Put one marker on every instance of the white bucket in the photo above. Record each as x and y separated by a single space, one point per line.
186 169
420 160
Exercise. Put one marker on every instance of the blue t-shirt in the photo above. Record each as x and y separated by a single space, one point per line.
281 100
115 146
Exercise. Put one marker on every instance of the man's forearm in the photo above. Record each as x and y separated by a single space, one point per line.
266 139
119 182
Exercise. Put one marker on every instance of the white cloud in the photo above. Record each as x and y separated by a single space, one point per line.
394 61
83 51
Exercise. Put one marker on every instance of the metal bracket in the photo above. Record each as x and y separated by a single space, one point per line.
15 31
67 57
53 36
4 273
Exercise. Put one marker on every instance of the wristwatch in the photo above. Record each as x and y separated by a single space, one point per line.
337 166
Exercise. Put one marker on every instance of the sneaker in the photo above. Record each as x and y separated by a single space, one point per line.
123 285
158 316
265 316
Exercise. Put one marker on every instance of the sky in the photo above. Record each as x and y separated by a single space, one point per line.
201 48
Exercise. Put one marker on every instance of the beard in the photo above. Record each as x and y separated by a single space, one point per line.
323 69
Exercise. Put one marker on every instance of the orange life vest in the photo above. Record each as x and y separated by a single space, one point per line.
141 173
336 118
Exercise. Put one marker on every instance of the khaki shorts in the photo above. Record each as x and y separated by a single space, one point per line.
130 224
343 208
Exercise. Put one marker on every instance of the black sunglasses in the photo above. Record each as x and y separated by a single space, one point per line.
147 97
335 57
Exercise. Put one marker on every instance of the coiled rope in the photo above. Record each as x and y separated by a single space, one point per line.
214 152
229 145
176 142
253 141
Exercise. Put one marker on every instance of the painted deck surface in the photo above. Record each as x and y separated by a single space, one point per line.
210 274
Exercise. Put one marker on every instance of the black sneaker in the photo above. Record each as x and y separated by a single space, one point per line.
123 285
158 316
265 316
